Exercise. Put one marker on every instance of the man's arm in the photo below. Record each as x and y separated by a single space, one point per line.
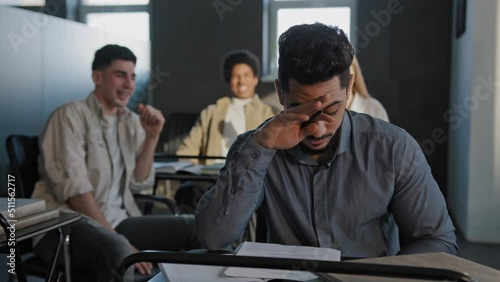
419 207
152 121
224 211
87 205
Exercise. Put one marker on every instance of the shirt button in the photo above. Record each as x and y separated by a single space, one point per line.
253 155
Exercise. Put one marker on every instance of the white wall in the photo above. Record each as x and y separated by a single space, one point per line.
474 197
45 62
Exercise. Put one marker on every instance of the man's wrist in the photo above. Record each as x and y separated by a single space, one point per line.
152 137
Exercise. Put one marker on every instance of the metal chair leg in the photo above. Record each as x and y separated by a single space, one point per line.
56 255
67 258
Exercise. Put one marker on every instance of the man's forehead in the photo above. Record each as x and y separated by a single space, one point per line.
332 84
121 65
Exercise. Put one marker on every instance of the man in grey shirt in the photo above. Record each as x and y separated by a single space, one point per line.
325 176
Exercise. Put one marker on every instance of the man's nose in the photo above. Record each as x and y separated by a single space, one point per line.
321 128
129 83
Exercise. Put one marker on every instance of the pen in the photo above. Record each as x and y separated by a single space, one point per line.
311 119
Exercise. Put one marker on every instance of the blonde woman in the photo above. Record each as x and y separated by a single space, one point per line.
359 100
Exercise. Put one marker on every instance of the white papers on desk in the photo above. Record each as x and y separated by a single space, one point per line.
281 251
202 273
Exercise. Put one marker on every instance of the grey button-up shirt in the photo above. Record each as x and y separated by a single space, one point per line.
378 180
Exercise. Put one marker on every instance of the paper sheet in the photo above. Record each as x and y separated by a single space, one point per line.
191 273
281 251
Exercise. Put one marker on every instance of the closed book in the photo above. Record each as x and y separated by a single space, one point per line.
33 219
17 208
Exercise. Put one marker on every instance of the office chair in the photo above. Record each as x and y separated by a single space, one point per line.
176 129
23 154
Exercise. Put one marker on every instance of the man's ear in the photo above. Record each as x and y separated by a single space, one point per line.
97 77
277 85
350 85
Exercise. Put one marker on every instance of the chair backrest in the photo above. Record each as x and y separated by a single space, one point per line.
176 129
23 154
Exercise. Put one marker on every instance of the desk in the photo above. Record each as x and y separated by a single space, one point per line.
185 176
430 260
37 229
433 260
180 177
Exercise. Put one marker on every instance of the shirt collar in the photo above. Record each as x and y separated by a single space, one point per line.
95 106
227 100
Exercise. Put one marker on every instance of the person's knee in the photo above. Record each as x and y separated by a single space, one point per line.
118 248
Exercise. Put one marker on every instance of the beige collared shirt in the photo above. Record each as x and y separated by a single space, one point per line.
205 138
75 158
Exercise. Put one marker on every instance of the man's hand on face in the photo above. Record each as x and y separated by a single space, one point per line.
152 120
290 127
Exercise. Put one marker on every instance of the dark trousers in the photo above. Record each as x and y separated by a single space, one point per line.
95 248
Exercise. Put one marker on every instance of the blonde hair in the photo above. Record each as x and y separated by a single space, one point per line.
359 85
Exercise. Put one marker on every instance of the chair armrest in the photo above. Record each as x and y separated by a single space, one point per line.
158 199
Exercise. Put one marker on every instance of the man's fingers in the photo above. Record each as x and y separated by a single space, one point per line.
308 130
143 267
287 117
150 116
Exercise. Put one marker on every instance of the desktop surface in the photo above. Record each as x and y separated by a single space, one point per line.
432 260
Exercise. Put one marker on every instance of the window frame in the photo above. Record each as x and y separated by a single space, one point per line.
270 15
84 10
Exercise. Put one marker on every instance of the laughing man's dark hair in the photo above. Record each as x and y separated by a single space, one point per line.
107 54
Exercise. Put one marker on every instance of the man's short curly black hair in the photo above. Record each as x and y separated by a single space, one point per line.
312 53
107 54
239 57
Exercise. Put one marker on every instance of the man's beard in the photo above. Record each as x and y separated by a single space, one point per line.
305 149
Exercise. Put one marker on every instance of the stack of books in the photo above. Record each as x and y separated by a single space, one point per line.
25 212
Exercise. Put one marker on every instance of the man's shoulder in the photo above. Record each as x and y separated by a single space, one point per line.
72 108
221 103
369 126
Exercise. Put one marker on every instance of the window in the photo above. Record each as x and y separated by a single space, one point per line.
283 14
20 3
128 18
